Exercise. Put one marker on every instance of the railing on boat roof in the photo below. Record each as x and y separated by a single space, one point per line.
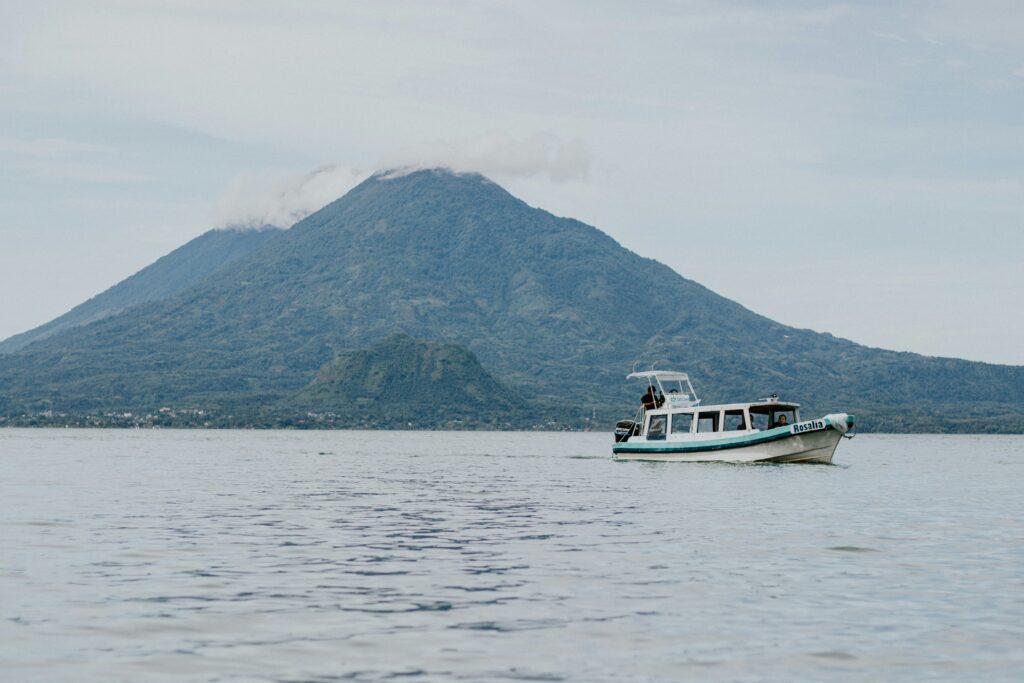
683 397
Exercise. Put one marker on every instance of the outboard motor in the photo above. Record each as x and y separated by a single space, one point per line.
625 429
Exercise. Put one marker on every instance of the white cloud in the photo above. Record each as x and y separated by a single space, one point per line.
502 156
61 159
256 199
90 173
895 37
48 147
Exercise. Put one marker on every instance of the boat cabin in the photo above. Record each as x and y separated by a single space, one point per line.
680 416
664 423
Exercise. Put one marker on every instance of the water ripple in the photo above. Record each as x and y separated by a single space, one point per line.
349 556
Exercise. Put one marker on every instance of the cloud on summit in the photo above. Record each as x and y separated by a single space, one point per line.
256 199
502 156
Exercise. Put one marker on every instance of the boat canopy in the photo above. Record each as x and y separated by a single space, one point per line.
662 375
682 397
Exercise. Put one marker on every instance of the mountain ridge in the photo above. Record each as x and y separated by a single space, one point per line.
171 273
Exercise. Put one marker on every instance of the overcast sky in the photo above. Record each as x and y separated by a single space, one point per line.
852 168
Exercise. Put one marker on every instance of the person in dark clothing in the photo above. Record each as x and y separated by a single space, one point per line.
659 400
781 421
648 399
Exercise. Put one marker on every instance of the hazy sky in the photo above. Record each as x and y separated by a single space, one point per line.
852 168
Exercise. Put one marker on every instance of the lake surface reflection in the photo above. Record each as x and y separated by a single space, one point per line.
327 556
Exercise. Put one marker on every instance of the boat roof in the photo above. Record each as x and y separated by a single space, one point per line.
777 405
663 375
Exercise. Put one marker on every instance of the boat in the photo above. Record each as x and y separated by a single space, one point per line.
674 426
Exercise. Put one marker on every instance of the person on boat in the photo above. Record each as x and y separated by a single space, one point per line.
781 421
659 400
648 400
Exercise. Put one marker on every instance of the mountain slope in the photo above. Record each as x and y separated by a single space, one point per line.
411 382
553 308
170 274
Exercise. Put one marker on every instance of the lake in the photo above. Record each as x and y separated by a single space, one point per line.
367 556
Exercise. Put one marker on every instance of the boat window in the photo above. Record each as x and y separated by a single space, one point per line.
657 428
734 421
708 422
767 417
681 423
761 416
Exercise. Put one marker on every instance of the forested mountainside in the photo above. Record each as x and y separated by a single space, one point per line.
170 274
554 310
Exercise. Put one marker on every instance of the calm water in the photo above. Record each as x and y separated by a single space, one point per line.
297 556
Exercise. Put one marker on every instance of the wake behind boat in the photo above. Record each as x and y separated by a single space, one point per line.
672 425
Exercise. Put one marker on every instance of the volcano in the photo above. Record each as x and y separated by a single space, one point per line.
550 309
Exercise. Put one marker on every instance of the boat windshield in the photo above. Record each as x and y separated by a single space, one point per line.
770 416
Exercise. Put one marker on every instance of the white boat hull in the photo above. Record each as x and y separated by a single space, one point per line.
674 426
808 447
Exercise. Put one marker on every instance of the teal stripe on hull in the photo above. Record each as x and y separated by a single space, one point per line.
709 445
